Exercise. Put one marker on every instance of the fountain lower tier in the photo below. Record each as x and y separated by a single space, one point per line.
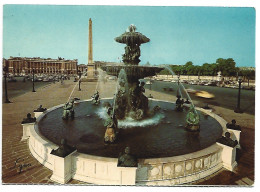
130 100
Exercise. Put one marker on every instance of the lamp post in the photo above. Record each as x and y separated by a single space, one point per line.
238 110
33 81
5 75
150 95
79 79
179 78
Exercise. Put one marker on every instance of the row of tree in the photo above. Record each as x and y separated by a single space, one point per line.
226 66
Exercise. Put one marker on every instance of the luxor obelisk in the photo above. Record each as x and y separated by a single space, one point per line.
91 66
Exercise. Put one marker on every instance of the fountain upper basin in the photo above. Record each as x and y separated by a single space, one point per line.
134 72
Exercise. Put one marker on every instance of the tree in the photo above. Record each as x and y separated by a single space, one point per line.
226 66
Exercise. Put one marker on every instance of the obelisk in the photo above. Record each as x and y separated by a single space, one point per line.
90 43
91 67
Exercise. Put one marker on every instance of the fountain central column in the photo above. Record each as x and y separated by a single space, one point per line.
130 99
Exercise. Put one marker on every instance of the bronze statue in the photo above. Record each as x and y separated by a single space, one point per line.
233 125
68 110
179 103
226 140
29 119
126 159
112 127
63 150
40 109
95 98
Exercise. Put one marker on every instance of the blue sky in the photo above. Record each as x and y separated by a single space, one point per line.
178 34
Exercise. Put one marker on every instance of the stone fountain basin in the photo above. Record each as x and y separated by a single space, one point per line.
162 135
170 170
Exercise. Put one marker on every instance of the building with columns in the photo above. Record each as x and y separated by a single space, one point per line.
25 65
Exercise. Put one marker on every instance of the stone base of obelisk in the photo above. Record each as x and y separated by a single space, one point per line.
91 74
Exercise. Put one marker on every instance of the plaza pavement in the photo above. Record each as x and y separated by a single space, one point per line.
55 94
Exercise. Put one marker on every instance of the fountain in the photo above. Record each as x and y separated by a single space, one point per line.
135 102
168 146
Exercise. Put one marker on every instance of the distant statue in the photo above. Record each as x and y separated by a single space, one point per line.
187 101
179 103
68 110
132 28
29 119
95 98
112 127
233 125
192 120
63 149
226 140
40 109
126 159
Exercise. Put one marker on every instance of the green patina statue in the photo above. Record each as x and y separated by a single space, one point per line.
192 120
68 110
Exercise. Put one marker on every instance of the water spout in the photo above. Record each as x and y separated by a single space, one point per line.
170 70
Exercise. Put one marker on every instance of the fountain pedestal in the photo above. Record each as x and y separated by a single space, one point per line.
228 157
91 77
37 114
26 130
235 135
127 175
62 168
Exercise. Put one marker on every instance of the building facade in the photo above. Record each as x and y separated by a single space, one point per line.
25 65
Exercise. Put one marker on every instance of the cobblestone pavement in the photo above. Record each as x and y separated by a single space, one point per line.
13 149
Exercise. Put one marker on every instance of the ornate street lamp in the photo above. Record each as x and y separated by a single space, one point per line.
79 79
5 75
150 95
33 81
238 110
179 78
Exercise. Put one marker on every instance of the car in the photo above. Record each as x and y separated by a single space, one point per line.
204 94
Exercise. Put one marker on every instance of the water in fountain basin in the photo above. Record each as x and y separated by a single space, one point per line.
129 122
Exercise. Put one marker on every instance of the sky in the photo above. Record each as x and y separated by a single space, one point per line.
177 34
